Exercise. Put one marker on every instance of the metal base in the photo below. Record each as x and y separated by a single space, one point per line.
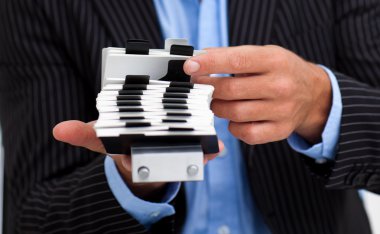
167 163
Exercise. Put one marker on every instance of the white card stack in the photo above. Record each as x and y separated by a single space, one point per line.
149 108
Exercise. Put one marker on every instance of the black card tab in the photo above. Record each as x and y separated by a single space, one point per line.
137 46
128 103
124 109
175 95
180 129
137 124
135 87
174 121
136 79
129 97
178 114
173 106
175 72
131 92
174 101
177 90
181 84
185 50
131 117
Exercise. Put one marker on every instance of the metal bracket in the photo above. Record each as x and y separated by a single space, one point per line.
167 163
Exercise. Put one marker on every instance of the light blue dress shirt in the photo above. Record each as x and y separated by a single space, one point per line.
222 203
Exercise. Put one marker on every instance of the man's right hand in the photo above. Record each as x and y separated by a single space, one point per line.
82 134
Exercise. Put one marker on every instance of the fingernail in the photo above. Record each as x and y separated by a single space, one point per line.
192 66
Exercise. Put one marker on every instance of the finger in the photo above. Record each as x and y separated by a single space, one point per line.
79 134
209 157
127 162
123 161
239 88
245 111
257 132
229 60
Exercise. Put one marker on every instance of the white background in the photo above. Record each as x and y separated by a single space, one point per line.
372 204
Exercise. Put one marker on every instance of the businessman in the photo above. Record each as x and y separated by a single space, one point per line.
299 119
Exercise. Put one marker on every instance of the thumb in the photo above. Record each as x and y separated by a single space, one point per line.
78 133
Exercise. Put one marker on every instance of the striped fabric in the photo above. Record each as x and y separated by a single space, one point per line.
50 71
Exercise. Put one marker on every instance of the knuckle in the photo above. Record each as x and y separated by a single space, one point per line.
238 61
288 114
232 128
250 136
284 87
216 107
244 134
211 63
236 112
229 87
287 109
278 56
282 112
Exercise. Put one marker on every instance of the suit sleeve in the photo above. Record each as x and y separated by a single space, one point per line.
52 187
146 212
357 34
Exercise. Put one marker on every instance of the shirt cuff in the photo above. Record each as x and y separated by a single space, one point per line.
326 149
147 213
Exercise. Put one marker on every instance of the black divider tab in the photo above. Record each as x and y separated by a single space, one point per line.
137 124
175 72
128 103
126 109
178 114
174 121
131 117
174 106
175 95
128 97
185 50
175 101
136 79
135 87
181 84
131 92
177 90
137 46
180 129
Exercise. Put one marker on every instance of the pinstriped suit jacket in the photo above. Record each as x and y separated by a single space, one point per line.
50 72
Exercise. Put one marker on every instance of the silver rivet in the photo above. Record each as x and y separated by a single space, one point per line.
192 170
143 172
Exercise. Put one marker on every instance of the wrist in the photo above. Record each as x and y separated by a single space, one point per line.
312 127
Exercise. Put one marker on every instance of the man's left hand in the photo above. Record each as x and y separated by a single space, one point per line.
273 92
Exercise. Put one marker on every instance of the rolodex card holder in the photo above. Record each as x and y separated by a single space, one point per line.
149 109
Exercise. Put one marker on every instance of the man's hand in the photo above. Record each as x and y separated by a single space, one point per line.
273 94
82 134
